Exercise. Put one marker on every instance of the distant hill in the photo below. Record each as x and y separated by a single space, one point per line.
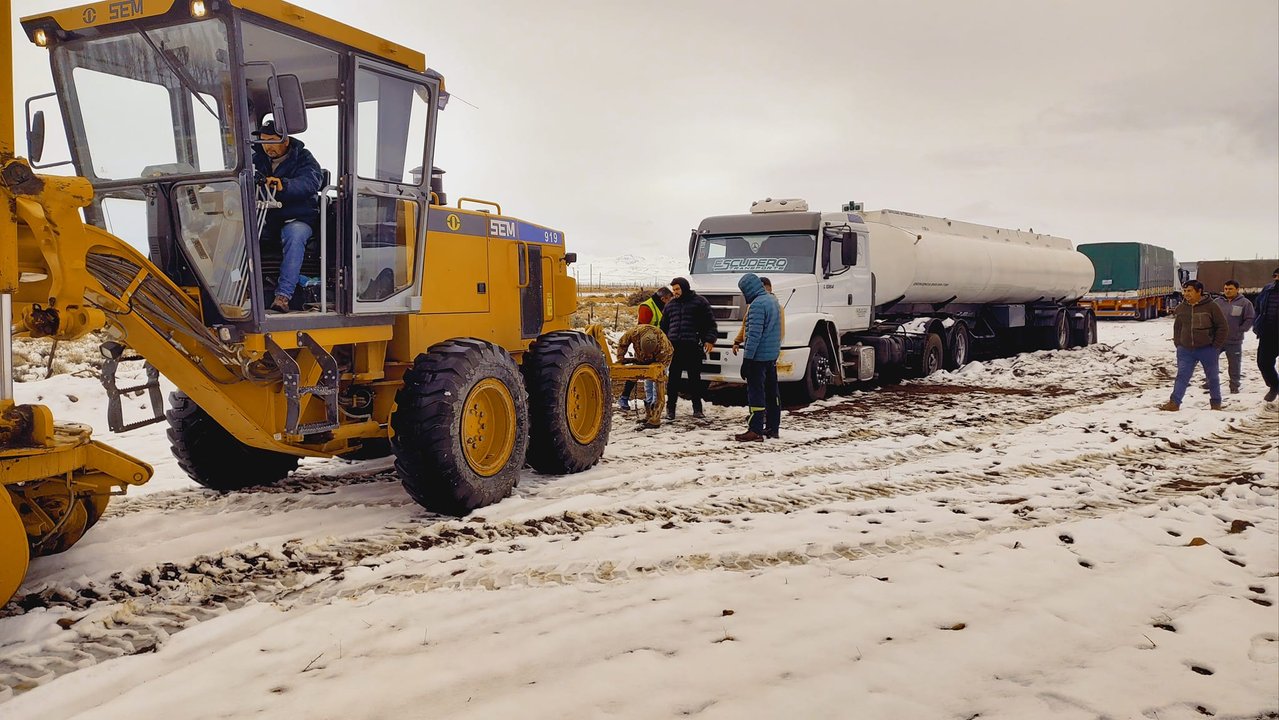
628 269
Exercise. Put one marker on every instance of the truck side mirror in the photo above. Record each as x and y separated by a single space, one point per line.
288 106
35 137
692 244
848 249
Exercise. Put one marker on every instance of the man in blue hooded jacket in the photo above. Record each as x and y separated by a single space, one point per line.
759 363
294 174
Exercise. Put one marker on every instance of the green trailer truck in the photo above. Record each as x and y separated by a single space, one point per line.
1131 280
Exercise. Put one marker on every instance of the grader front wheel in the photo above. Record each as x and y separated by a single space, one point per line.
14 553
569 393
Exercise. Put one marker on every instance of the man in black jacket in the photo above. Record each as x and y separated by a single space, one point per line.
295 175
689 323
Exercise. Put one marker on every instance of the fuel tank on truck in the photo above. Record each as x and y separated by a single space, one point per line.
923 259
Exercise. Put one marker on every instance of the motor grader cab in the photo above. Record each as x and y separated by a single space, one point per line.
438 333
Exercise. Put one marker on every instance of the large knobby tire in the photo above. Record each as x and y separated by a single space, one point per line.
812 387
212 457
1056 336
569 400
14 551
1086 334
460 426
932 358
960 349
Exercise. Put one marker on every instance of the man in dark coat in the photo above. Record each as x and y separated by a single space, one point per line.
1267 329
689 322
1199 332
289 169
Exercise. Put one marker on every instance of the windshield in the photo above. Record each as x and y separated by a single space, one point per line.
767 252
151 103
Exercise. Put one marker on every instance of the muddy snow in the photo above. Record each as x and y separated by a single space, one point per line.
1024 538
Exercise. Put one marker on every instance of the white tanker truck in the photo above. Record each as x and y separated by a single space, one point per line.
886 294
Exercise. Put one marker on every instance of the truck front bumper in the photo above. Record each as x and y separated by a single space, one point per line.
723 366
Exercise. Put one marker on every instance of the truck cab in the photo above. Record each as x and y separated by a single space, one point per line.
818 264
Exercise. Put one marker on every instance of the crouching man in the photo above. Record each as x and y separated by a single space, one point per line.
651 348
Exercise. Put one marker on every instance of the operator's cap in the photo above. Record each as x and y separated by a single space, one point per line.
268 128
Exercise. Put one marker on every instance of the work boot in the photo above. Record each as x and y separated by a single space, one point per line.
1170 406
748 436
670 413
1274 393
771 434
646 425
623 403
698 414
281 304
1234 389
1216 406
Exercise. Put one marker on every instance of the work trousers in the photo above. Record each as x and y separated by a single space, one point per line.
1234 363
688 359
762 395
1267 351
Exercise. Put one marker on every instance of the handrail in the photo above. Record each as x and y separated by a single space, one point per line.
324 247
480 202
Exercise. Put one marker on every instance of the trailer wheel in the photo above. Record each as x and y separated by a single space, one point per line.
15 553
569 396
1086 334
460 426
1057 336
212 457
933 357
961 346
816 374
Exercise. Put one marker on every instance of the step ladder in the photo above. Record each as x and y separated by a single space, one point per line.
294 392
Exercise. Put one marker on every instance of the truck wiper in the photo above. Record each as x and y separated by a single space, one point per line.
180 72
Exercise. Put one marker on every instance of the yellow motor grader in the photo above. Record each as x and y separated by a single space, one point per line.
436 333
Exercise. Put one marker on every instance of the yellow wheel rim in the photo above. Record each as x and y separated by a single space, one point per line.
14 553
488 427
584 404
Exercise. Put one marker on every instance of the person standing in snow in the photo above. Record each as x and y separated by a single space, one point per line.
741 332
1240 315
759 363
1267 328
650 313
690 324
651 348
1199 332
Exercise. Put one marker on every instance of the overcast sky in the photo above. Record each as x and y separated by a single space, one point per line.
624 123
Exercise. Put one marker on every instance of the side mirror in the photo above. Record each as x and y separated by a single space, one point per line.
35 137
848 249
288 106
692 244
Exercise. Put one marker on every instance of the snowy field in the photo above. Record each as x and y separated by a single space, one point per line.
1026 538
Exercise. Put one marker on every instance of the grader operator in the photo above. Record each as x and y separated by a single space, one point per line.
440 334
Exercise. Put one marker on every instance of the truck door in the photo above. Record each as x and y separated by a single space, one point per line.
845 278
388 132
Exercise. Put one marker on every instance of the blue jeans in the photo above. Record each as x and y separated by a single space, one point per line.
293 238
1186 361
650 391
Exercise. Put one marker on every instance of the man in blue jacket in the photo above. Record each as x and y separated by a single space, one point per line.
759 364
295 175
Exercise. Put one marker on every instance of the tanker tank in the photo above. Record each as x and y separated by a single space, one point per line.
923 259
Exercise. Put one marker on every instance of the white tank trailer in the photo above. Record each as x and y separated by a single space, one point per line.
885 294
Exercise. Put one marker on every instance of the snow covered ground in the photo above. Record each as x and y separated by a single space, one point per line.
1025 538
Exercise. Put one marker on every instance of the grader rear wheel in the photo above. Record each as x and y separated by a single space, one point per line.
569 393
14 552
461 426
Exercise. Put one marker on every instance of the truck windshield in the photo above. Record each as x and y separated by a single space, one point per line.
150 103
766 252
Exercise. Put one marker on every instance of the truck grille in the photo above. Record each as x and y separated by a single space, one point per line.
725 307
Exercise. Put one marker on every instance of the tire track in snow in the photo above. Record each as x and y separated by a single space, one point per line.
136 614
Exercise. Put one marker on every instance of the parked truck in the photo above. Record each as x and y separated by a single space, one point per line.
1132 280
1252 275
886 294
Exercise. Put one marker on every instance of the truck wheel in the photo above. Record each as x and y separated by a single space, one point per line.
212 457
933 358
15 553
961 347
460 426
569 402
816 374
1056 337
1085 335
